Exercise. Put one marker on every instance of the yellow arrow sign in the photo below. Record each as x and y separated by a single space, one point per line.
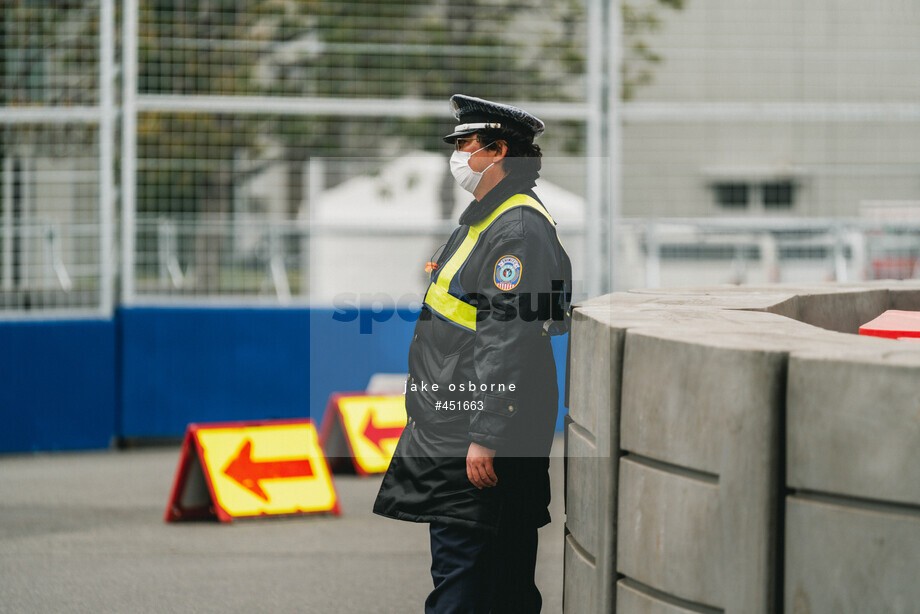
253 469
370 424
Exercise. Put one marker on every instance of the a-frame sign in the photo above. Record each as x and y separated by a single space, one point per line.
360 431
242 469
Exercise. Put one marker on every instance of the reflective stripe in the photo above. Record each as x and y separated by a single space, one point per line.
451 307
438 296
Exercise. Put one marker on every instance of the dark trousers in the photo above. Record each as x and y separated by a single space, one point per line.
477 572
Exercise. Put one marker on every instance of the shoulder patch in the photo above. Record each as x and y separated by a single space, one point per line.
507 272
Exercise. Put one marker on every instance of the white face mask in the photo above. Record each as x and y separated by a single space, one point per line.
460 169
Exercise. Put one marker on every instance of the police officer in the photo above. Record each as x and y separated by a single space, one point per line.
481 394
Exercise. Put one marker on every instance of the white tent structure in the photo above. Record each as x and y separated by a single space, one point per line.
373 234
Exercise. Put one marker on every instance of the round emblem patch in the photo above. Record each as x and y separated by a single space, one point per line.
507 272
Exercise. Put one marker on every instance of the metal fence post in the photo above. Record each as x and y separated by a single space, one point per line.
129 150
614 135
652 257
840 260
594 144
106 154
7 273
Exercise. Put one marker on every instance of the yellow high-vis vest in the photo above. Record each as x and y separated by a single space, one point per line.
438 297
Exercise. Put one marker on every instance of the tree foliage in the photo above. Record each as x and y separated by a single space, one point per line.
639 57
49 56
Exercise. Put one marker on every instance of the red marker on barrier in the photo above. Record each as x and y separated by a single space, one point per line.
893 324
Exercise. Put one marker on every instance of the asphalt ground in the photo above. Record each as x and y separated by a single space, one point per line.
84 532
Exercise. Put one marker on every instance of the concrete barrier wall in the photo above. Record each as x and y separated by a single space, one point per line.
711 431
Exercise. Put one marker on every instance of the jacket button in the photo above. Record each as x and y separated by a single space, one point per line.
511 408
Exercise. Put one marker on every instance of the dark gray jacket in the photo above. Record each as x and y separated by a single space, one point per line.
509 354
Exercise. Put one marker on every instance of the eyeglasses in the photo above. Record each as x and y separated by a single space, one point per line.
460 143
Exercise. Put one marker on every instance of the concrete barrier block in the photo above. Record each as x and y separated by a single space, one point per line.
592 450
585 510
853 425
632 599
580 592
771 299
843 311
670 532
710 410
594 373
905 298
687 402
851 559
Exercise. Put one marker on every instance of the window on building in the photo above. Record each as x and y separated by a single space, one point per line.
755 195
732 195
777 195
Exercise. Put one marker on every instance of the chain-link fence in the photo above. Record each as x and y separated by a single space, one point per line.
259 125
56 112
279 151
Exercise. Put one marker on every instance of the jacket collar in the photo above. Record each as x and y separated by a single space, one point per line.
514 183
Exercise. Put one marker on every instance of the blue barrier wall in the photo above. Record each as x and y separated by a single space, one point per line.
57 385
203 365
343 358
69 385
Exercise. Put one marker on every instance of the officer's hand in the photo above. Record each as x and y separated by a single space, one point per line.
479 467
